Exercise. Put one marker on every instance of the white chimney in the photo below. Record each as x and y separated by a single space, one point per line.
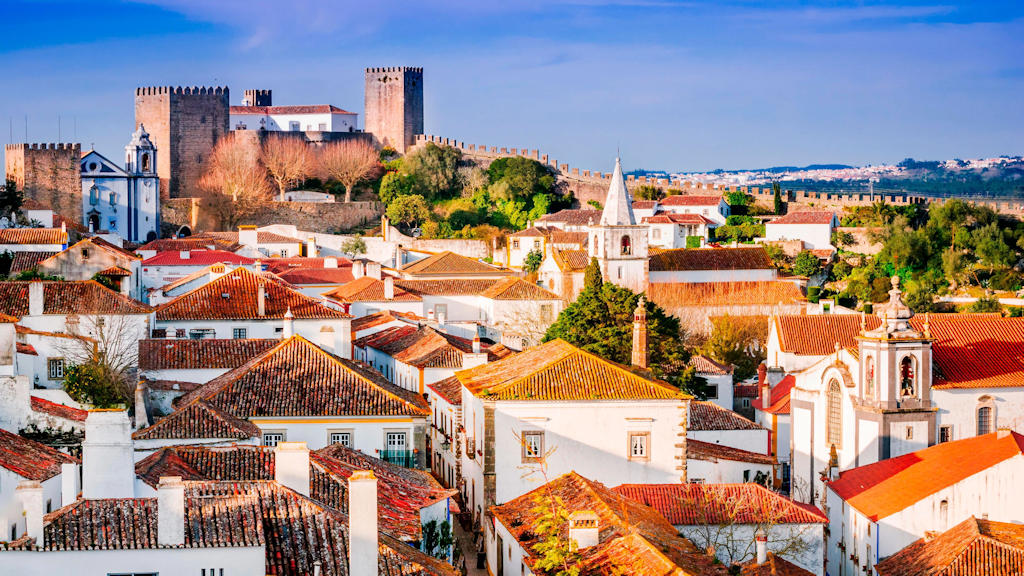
68 483
170 511
373 270
761 543
583 529
358 269
311 247
247 236
332 262
291 466
389 288
261 299
141 415
30 493
185 254
476 344
108 467
289 324
362 523
35 298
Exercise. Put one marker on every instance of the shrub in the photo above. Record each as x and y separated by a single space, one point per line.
693 241
813 294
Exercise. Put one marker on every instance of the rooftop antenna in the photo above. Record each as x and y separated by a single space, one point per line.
58 127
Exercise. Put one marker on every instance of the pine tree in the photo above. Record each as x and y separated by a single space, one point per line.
779 206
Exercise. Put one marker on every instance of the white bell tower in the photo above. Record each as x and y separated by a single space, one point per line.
140 154
618 242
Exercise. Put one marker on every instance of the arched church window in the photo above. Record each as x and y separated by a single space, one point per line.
145 163
113 199
627 246
907 376
869 377
985 420
835 413
94 195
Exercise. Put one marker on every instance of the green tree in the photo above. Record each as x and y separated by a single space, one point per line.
394 185
806 264
408 210
92 384
438 540
592 279
990 247
955 266
779 207
11 198
107 281
435 170
532 261
737 198
524 176
648 192
735 341
556 555
841 238
987 303
354 246
594 204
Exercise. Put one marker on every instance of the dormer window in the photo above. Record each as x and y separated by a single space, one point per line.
908 374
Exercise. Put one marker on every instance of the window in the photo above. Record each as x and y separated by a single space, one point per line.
343 438
85 253
293 126
515 244
112 198
945 433
272 438
322 127
145 162
712 390
910 432
284 252
907 374
440 310
536 243
200 333
238 333
396 441
179 333
943 512
533 446
639 446
94 195
626 244
746 475
835 413
546 312
49 505
745 402
869 377
984 420
656 233
55 368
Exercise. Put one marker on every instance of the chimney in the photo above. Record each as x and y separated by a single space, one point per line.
185 254
399 257
108 467
261 299
332 262
389 288
640 334
762 372
170 511
583 529
761 543
311 247
35 298
141 416
68 483
362 523
247 236
30 492
476 344
373 269
358 269
289 324
291 466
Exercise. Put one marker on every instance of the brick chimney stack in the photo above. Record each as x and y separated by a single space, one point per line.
640 334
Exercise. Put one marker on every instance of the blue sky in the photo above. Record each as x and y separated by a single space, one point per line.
688 85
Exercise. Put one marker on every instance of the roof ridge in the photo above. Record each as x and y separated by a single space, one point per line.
626 371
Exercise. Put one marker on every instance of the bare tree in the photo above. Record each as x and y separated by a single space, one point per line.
234 181
349 162
287 159
527 323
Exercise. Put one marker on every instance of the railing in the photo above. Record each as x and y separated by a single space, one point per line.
405 458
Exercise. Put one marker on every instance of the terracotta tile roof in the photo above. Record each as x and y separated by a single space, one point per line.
199 419
778 401
30 459
172 385
774 566
972 547
200 257
68 297
557 370
33 236
672 295
447 263
190 243
306 276
806 217
690 504
532 232
369 289
571 260
450 287
704 365
308 109
710 416
114 272
28 260
261 237
517 289
817 334
884 488
563 238
189 354
23 348
644 204
744 390
672 218
297 378
59 410
690 200
683 259
240 285
573 217
109 247
450 389
633 539
711 452
378 319
425 347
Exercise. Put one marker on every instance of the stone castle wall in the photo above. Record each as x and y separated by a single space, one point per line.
49 174
328 217
184 123
394 105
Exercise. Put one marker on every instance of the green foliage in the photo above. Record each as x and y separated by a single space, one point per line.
387 153
435 171
532 261
408 210
556 555
6 259
746 229
806 264
11 198
35 274
841 238
648 192
355 245
813 294
693 241
524 177
841 269
394 185
107 281
595 204
778 205
91 383
438 539
734 341
737 198
987 303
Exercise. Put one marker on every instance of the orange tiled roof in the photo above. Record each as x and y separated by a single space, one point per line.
28 260
571 260
557 370
704 365
68 297
470 287
425 347
532 232
517 289
806 217
633 539
208 302
303 109
380 318
881 489
190 243
261 237
30 459
670 295
706 415
698 450
672 218
774 566
313 276
972 547
189 354
690 200
198 257
682 259
447 263
33 236
450 389
574 217
197 420
689 504
369 289
778 401
59 410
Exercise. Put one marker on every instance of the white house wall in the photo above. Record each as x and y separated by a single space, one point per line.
163 561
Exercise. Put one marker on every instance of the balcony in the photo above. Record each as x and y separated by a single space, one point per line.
404 458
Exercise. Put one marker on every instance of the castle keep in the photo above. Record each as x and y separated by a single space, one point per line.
394 105
184 123
48 174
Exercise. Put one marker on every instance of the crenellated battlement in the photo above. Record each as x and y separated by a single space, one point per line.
69 146
182 90
394 69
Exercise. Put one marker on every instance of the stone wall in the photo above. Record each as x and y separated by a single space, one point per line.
49 174
394 105
314 216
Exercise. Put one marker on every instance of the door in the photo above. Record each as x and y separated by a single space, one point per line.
500 568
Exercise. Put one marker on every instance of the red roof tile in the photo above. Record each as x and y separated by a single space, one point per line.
369 289
690 200
59 410
197 258
448 263
33 236
683 259
190 243
425 347
778 401
697 450
198 420
189 354
28 260
307 109
30 459
378 319
704 365
973 547
307 276
690 504
208 302
710 416
261 237
450 389
773 566
672 218
571 260
881 489
573 217
68 297
806 217
673 295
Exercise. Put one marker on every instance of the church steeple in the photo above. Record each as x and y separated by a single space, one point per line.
618 205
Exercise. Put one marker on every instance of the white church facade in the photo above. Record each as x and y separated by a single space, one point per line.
123 201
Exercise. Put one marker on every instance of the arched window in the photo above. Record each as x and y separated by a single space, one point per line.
627 246
94 195
145 162
907 377
985 419
869 377
835 413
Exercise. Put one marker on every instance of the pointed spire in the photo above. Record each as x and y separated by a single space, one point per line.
618 205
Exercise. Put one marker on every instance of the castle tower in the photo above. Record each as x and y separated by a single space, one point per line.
394 105
184 123
257 98
48 174
618 242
